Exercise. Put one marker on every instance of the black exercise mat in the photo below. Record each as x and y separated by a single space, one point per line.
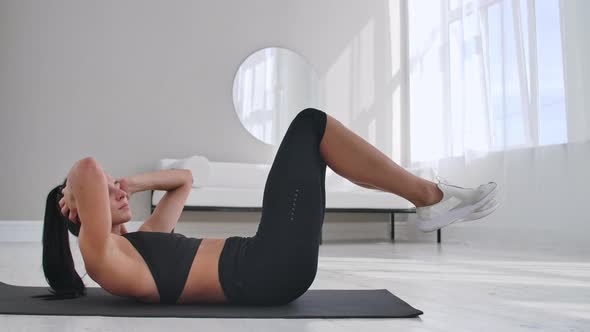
315 303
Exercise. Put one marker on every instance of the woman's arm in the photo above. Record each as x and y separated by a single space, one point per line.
168 179
87 193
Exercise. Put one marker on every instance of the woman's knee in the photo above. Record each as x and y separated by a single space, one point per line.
309 114
313 118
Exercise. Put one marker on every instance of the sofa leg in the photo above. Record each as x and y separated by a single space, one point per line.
392 221
438 235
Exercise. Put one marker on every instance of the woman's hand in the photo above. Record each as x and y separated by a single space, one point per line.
124 185
67 205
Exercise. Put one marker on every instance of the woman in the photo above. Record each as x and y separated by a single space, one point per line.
275 266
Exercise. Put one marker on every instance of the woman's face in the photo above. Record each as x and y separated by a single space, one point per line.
120 211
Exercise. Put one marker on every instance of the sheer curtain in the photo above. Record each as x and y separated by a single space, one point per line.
487 75
491 96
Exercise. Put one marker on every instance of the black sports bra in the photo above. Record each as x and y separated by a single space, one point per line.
169 257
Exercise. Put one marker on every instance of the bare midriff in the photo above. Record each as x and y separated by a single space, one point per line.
202 284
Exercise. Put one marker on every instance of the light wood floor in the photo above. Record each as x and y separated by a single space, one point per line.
460 286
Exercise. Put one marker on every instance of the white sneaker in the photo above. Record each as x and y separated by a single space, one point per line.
485 210
457 203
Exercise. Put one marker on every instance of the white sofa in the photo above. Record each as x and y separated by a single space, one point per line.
231 186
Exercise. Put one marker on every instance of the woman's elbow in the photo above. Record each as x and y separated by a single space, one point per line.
88 163
189 176
91 167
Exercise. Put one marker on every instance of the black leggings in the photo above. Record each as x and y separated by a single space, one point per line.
279 263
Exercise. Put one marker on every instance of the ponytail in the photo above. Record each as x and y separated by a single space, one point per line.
58 264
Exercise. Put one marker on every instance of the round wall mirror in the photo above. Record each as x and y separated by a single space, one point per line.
271 86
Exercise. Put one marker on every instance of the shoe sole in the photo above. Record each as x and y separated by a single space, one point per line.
480 214
454 215
485 207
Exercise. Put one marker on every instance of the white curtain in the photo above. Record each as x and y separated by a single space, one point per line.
488 75
495 90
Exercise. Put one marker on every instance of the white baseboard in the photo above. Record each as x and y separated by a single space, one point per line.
360 227
336 229
30 230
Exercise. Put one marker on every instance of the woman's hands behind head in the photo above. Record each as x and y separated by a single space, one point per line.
123 184
67 205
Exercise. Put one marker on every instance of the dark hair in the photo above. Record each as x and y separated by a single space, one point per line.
58 264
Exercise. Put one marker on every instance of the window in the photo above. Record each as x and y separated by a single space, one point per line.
485 74
525 90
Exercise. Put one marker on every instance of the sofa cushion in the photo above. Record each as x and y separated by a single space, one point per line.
237 175
199 166
362 198
232 184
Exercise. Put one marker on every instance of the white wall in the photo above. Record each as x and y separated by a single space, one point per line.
129 82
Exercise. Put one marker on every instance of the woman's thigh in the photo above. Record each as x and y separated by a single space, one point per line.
293 203
282 257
